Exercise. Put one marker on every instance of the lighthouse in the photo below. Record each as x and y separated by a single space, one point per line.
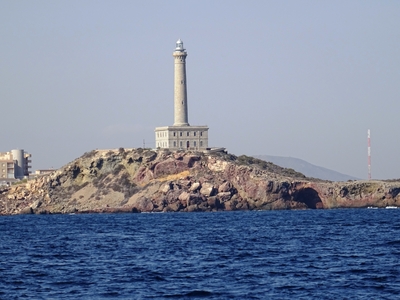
180 89
181 135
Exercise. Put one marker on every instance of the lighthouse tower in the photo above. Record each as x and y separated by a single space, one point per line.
180 90
181 135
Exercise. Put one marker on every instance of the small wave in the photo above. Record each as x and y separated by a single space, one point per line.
195 293
397 242
358 271
198 293
380 278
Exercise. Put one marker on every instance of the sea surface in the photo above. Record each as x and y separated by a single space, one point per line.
311 254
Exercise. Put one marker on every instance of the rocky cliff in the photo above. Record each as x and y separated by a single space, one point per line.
140 180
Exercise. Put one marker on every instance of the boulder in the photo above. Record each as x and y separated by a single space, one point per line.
195 199
213 202
230 205
192 208
26 211
172 196
207 189
242 205
166 187
225 187
184 197
143 204
194 187
36 204
224 196
173 207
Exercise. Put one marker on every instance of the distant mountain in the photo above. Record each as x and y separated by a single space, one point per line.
306 168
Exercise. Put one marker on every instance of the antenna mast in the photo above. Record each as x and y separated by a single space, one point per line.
369 154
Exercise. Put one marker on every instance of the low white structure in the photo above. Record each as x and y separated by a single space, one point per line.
181 135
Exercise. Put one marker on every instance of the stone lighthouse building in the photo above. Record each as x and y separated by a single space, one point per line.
181 135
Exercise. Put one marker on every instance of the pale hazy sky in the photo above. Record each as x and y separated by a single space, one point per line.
304 79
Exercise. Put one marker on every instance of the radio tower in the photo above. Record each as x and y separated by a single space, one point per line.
369 154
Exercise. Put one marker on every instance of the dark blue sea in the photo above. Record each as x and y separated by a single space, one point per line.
312 254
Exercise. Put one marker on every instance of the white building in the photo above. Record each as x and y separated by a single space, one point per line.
14 164
181 135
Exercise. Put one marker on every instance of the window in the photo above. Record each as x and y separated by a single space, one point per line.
180 133
194 133
187 133
194 143
174 144
174 133
201 133
201 143
180 144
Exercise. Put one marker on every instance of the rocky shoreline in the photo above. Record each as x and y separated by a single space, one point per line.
143 180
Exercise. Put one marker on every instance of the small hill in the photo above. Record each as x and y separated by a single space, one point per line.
145 180
306 168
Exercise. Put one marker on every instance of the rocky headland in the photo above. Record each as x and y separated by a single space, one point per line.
143 180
